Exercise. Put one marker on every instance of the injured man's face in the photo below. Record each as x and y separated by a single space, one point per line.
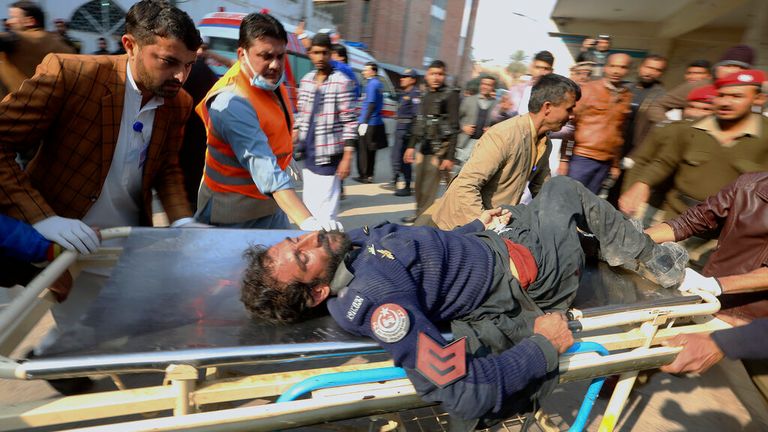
281 282
309 257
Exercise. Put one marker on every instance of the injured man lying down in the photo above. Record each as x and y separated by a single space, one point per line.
502 282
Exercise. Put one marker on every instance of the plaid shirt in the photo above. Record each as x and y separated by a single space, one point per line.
336 119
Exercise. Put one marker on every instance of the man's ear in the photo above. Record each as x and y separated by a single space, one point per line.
546 107
319 293
129 42
760 100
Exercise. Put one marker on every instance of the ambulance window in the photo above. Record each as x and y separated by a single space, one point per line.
222 44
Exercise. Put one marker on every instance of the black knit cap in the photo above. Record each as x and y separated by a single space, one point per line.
739 55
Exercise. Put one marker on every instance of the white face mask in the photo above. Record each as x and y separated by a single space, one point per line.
258 81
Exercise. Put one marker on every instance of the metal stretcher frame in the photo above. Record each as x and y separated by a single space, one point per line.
192 385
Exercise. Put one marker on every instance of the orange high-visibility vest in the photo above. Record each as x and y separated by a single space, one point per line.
223 172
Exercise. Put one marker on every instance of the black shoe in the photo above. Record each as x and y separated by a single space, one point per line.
404 192
390 186
408 219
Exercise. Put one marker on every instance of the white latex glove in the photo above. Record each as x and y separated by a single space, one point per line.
332 225
71 234
694 281
362 129
312 224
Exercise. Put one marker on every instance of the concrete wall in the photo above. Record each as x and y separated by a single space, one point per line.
703 43
398 29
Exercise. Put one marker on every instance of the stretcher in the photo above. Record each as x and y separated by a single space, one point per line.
171 309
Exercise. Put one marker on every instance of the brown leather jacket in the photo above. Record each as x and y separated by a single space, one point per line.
599 119
740 210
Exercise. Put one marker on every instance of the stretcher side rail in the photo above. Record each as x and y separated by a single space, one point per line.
211 357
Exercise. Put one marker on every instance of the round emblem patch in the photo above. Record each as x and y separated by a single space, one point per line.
390 322
744 78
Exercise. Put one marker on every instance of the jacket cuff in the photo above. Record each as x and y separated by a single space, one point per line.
550 353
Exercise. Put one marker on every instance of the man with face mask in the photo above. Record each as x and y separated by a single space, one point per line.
248 121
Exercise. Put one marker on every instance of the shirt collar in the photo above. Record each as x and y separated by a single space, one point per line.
753 126
341 278
619 89
155 102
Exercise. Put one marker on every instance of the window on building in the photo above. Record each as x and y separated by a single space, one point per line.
103 17
434 38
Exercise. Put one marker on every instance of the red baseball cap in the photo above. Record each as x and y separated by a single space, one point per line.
703 94
746 77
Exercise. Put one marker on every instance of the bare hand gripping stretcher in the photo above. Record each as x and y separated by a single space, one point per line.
172 306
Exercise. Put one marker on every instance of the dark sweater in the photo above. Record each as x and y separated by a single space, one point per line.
739 343
20 241
436 276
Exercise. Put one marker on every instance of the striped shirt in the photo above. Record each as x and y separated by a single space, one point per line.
335 121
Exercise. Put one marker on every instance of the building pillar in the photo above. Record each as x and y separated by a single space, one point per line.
756 33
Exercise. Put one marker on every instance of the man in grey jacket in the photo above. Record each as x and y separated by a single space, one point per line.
475 117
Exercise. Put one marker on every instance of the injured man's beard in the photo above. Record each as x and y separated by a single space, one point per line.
342 243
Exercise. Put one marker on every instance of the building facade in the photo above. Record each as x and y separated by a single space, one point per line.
90 19
408 33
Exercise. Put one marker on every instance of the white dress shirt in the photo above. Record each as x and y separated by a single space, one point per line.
119 203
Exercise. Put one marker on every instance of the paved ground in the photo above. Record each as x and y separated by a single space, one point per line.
665 403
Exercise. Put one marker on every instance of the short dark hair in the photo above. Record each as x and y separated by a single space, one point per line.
374 67
436 64
657 57
552 88
488 76
321 40
340 50
258 25
545 56
264 298
700 63
31 9
149 19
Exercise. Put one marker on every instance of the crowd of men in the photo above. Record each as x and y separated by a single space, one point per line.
86 139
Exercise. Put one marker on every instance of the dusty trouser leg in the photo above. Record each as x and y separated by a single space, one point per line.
562 200
621 242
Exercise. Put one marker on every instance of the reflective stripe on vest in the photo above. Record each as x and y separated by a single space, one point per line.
223 171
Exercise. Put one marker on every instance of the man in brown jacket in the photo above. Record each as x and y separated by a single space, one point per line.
23 48
599 120
110 127
507 156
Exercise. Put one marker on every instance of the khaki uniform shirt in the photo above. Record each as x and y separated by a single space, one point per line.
699 163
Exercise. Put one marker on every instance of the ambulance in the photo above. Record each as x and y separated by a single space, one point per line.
221 31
